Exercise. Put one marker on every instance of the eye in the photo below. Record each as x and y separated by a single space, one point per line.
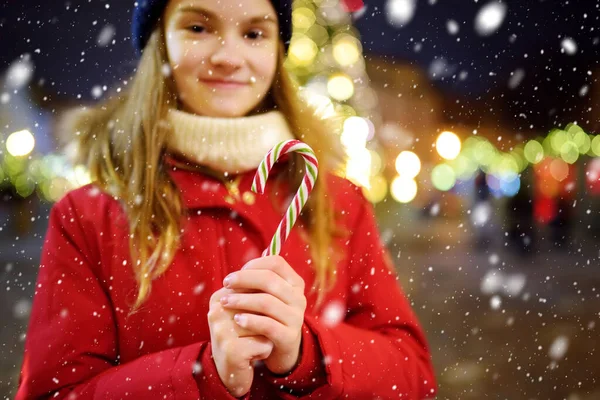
255 34
196 28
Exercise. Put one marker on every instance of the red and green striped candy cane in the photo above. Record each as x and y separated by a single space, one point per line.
293 211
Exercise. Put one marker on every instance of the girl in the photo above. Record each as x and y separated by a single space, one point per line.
141 292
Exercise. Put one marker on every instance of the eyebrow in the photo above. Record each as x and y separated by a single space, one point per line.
211 15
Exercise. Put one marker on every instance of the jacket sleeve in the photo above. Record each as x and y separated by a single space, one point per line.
378 350
71 348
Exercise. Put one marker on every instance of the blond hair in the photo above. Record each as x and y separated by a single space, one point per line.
122 142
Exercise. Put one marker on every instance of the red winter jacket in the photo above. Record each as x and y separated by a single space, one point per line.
364 342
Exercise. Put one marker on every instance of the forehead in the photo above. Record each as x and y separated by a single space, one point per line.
222 9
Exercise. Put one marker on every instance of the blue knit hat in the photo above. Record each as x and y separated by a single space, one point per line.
147 12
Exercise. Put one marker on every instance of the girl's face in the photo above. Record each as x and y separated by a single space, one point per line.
222 53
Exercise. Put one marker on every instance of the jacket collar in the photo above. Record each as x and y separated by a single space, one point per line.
199 190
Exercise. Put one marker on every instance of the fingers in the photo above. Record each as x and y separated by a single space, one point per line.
219 324
239 331
278 265
239 352
261 303
279 334
264 281
214 298
234 356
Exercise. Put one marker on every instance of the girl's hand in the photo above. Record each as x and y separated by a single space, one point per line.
276 311
233 356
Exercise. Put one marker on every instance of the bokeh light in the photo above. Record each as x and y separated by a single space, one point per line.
443 177
355 132
559 169
558 138
579 138
24 185
358 167
408 164
303 18
303 51
569 152
376 163
505 164
484 152
505 185
320 36
322 104
346 50
595 146
448 145
377 190
518 155
403 190
20 143
57 188
592 175
510 185
340 87
534 152
464 167
81 175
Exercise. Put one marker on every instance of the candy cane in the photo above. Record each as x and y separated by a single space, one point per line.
260 179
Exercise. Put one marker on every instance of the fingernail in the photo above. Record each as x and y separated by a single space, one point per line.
240 319
228 279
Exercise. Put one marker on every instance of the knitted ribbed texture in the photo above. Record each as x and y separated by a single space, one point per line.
232 145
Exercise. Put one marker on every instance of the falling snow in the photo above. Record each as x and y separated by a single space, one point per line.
490 18
452 26
502 274
558 348
400 12
20 72
569 46
106 35
516 78
333 313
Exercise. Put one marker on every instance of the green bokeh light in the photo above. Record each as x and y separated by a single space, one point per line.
443 177
534 151
569 152
464 167
582 141
595 146
557 139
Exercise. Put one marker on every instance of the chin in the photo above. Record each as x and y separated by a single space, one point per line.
230 108
223 111
224 114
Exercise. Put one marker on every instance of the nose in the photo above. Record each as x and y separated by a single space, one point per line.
227 54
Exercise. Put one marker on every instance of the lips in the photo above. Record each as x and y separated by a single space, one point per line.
223 84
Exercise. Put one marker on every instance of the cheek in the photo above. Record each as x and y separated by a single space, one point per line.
192 57
266 66
174 48
185 58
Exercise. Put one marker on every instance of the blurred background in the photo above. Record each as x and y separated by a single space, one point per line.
470 124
